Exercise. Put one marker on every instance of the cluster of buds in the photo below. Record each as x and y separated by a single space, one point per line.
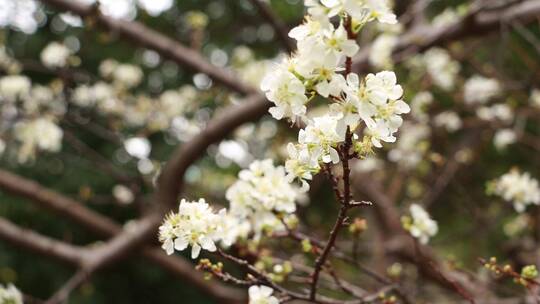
527 277
209 268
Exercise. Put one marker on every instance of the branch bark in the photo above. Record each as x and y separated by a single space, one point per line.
40 244
102 226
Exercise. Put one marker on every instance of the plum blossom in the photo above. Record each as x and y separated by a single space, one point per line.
11 295
287 93
14 87
261 191
37 134
195 224
420 225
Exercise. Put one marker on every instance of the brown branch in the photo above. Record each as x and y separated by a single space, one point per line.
103 226
40 244
279 27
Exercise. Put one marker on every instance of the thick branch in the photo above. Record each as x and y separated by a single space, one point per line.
103 226
41 244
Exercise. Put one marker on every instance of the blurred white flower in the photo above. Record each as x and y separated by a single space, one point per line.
155 7
261 295
10 295
138 147
14 87
55 55
518 188
123 194
420 224
504 137
449 120
19 15
479 89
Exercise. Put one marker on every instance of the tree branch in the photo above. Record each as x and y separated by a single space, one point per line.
41 244
103 226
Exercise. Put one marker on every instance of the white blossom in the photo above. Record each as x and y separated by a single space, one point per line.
127 75
518 188
155 7
368 10
138 147
421 226
449 120
11 295
14 87
55 55
301 163
287 93
41 133
442 69
504 137
261 295
479 89
502 112
323 134
195 225
260 191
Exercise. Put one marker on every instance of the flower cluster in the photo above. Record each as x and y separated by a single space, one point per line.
261 195
40 133
260 201
10 295
518 188
195 224
315 70
420 224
